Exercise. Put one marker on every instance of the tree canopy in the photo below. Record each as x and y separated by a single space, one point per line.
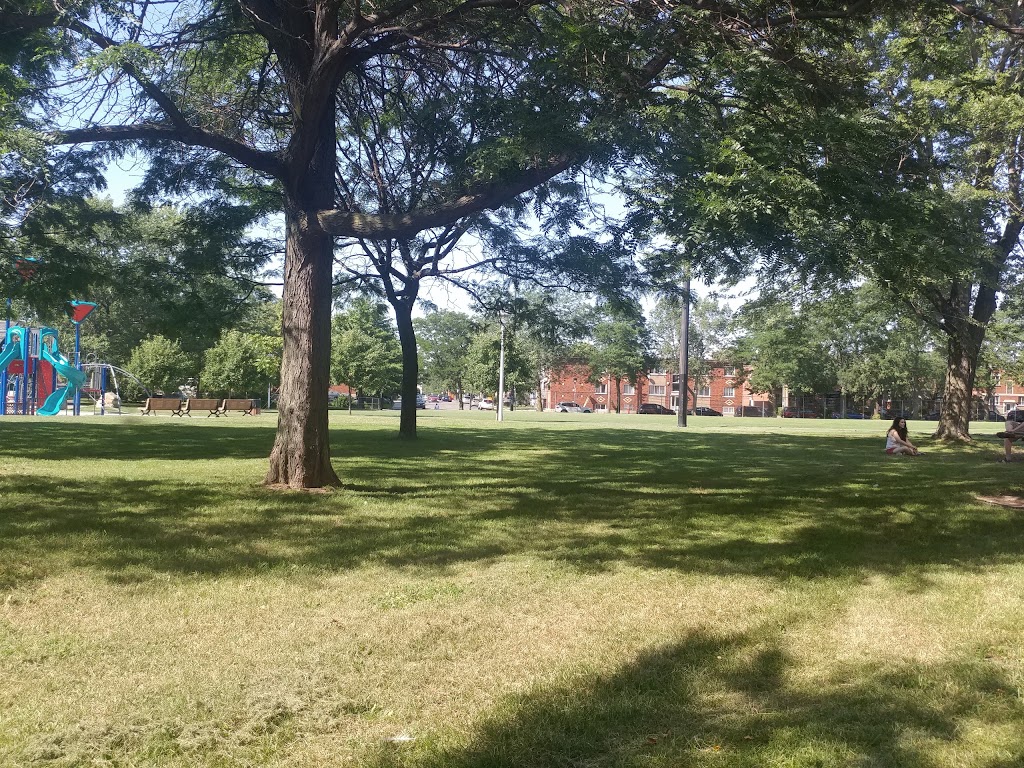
257 101
365 353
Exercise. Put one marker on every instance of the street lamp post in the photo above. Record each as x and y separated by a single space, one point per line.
684 357
501 374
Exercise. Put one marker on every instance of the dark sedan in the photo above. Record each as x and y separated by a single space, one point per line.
656 408
701 410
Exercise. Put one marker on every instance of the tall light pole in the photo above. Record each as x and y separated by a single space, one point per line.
501 373
684 357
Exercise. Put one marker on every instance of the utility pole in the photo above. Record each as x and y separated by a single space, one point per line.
501 373
684 356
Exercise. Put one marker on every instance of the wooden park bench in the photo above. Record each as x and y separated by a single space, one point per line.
172 404
211 407
246 406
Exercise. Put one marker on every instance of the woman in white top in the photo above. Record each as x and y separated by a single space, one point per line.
896 441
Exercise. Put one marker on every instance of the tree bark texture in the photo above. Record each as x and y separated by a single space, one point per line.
966 331
301 457
410 367
958 390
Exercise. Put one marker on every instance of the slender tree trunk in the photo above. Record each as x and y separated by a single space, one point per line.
410 367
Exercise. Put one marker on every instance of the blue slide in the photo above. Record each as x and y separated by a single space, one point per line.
12 351
73 378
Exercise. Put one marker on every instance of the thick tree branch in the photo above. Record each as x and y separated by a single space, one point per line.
973 12
406 225
265 162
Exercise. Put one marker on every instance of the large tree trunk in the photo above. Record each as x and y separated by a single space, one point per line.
966 331
301 457
958 391
966 328
410 367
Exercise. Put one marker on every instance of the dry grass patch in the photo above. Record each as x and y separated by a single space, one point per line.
495 597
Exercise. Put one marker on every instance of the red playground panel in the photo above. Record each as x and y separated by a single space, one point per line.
78 310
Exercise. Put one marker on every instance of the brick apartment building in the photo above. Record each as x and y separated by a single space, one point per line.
1005 396
724 390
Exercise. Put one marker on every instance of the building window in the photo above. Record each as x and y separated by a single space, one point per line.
628 389
729 392
728 410
730 370
658 389
661 371
704 391
601 388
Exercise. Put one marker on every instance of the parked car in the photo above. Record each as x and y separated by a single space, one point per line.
889 413
934 416
702 410
655 408
755 410
849 415
487 404
568 407
421 402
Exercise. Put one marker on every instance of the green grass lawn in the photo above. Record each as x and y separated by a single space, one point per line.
558 590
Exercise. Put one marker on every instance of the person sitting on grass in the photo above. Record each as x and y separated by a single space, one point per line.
1014 431
896 441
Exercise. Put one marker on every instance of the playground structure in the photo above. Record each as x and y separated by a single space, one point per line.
103 385
31 361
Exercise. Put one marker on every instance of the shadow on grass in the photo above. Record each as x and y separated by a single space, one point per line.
774 505
730 702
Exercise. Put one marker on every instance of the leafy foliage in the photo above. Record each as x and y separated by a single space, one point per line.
709 337
619 349
162 364
242 364
445 339
365 353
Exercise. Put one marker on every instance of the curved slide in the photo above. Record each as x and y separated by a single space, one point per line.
12 351
73 378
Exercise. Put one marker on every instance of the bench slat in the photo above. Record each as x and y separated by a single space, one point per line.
246 405
197 404
154 404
